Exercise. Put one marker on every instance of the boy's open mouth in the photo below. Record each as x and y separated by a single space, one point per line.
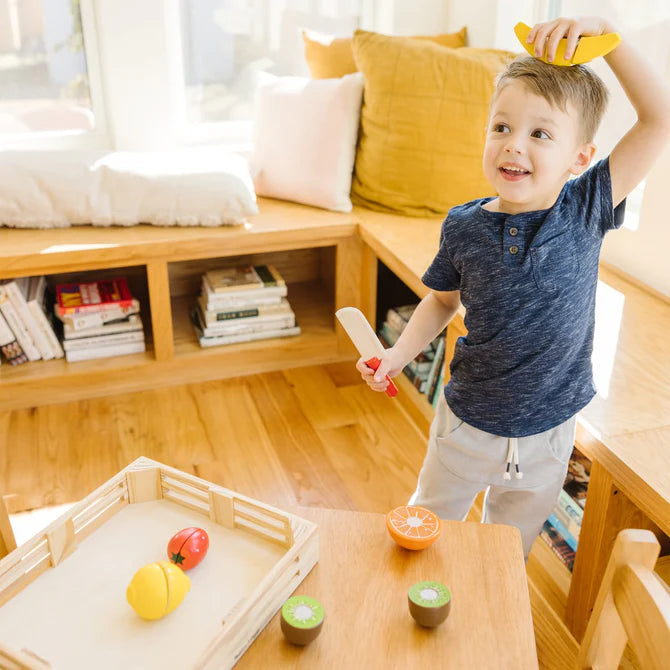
513 173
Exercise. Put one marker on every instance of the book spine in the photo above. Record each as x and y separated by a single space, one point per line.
9 346
570 512
18 328
215 317
435 368
563 531
128 325
439 388
17 298
559 546
37 306
96 319
248 294
103 340
229 328
105 352
396 321
249 337
94 309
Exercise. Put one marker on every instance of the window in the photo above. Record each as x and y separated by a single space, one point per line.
44 83
227 43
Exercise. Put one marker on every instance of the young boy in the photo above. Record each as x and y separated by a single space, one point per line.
525 265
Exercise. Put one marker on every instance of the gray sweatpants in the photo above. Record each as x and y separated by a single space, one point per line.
462 460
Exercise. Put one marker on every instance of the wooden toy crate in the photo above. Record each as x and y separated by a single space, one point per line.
63 593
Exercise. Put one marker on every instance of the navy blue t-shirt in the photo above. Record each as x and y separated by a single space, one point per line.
528 285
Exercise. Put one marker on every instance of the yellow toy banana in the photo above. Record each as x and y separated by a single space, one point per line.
587 49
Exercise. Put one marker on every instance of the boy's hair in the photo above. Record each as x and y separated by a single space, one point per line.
577 84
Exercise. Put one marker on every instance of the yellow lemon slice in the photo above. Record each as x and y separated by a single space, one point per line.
156 589
587 49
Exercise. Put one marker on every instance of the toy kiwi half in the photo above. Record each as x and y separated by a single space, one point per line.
429 603
301 619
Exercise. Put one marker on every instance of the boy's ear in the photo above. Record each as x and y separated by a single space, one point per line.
583 157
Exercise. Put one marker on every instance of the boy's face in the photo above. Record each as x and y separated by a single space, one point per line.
531 149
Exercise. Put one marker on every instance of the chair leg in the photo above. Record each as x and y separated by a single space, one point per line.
7 539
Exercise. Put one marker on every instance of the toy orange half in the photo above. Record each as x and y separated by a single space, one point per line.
413 527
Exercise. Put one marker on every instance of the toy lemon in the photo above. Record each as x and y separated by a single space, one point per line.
157 589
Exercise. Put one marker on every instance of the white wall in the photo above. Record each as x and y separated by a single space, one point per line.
642 253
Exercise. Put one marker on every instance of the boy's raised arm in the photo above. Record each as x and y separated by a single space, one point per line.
634 155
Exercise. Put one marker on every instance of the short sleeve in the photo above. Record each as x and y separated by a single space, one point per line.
592 196
442 274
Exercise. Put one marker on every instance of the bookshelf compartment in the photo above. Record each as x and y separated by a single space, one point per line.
309 276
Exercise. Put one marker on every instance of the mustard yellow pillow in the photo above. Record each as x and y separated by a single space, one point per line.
423 123
330 57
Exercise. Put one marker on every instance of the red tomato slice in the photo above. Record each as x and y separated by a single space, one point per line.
188 547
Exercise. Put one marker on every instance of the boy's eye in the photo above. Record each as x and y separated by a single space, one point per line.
500 128
540 135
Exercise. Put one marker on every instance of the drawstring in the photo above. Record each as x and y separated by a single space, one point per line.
513 455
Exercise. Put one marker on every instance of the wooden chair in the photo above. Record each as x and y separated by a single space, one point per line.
633 605
7 541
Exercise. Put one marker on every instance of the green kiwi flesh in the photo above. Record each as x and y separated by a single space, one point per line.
429 603
301 619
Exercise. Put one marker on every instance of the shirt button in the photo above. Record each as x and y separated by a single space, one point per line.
513 249
513 232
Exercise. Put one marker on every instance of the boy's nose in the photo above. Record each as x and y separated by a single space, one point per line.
514 145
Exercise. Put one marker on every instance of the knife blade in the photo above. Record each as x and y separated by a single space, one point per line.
361 334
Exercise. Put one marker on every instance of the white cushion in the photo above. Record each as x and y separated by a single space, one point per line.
190 187
305 139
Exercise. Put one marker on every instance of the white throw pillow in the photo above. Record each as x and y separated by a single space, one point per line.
305 135
188 187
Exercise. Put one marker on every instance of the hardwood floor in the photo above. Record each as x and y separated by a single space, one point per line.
308 436
311 436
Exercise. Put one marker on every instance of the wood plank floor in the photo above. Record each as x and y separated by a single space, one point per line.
312 436
309 436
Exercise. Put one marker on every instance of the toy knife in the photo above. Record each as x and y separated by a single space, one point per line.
365 340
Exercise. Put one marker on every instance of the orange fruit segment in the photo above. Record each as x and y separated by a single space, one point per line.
413 527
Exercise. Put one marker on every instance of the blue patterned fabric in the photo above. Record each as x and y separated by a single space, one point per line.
528 284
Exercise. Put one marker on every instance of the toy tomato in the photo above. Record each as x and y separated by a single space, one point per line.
188 547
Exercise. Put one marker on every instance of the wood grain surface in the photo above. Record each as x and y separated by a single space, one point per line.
362 579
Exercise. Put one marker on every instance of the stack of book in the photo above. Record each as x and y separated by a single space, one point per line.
426 371
100 319
240 304
561 530
26 329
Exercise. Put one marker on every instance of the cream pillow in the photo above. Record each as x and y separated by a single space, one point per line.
423 123
188 187
305 139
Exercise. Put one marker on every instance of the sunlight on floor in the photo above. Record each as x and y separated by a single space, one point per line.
609 312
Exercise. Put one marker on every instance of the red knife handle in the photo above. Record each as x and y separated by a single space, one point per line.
391 389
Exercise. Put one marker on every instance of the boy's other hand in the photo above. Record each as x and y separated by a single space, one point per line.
389 365
547 35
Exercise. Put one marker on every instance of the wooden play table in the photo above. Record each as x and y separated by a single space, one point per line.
362 579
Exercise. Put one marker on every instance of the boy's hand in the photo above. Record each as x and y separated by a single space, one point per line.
547 35
390 365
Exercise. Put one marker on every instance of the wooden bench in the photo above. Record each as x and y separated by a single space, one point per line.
331 260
